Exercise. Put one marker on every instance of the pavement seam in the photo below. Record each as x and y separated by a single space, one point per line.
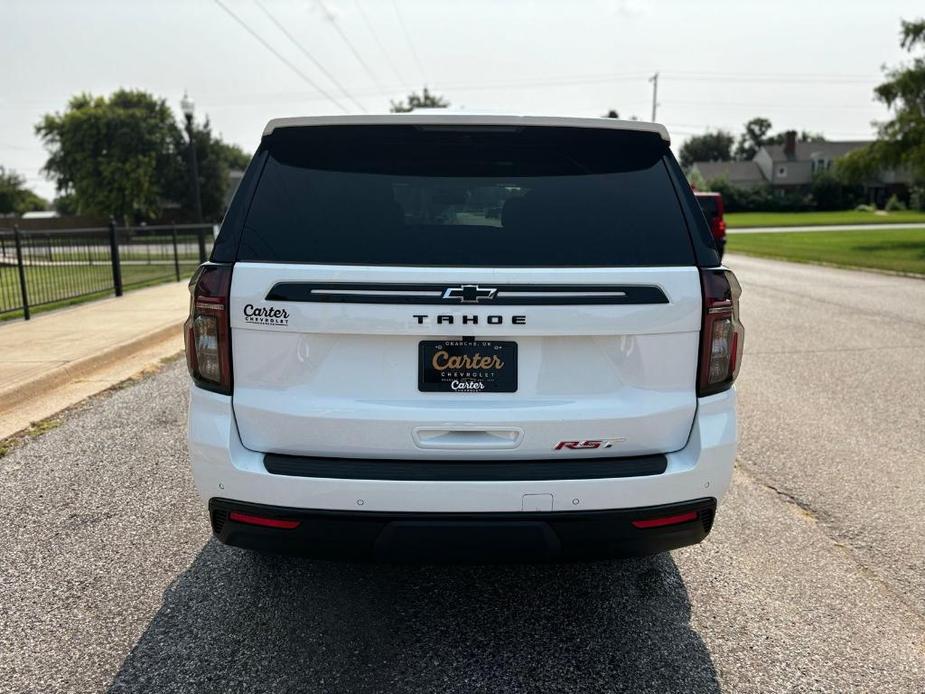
845 549
834 266
833 350
802 295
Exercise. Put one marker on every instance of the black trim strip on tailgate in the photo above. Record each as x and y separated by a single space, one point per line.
465 470
466 294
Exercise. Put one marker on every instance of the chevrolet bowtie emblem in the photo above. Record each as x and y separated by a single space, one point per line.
470 293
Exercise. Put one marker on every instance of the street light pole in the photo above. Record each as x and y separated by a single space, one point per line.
187 106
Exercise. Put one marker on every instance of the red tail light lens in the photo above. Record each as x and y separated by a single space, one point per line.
264 521
207 333
666 520
721 334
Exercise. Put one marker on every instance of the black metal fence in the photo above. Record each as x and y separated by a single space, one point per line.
57 267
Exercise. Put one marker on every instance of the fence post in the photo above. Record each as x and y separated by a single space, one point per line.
176 255
114 257
22 273
201 238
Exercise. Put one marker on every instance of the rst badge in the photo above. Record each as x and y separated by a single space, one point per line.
587 444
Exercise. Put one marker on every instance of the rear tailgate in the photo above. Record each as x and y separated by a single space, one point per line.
361 246
339 379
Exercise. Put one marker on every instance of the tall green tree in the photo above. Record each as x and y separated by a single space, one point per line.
423 100
113 154
711 146
15 198
802 136
901 141
752 139
127 156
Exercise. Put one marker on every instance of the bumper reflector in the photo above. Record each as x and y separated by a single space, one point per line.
666 520
249 519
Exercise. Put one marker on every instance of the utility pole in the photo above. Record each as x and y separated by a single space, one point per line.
654 80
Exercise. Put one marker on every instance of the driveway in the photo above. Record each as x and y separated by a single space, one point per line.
812 579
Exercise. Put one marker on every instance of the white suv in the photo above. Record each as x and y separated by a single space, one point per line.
463 337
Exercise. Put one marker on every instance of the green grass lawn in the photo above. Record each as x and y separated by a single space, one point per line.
790 219
54 286
898 250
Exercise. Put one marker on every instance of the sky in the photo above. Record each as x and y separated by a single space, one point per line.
805 65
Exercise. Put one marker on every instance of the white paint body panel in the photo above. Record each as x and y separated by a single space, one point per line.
341 380
223 467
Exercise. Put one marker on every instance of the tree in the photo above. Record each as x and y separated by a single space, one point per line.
803 136
752 139
901 141
15 198
215 159
612 113
113 154
423 100
711 146
126 156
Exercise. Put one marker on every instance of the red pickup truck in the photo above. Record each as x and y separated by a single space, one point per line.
712 206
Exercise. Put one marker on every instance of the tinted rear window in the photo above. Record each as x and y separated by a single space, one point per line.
478 196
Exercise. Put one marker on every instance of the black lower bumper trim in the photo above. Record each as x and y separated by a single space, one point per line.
466 470
481 537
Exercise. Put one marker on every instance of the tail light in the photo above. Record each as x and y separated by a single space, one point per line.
207 333
662 521
721 334
719 223
264 521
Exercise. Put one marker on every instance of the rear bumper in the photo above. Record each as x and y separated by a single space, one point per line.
224 469
503 537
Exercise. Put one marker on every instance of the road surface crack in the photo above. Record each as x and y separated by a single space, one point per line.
846 549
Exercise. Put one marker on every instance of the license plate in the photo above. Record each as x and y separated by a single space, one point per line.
455 366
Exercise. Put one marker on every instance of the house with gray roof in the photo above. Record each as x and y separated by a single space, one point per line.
792 166
739 173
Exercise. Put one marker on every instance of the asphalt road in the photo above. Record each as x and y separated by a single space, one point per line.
811 581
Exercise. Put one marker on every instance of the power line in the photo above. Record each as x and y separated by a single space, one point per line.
356 54
308 55
529 83
462 87
288 64
821 75
747 104
766 79
375 34
404 29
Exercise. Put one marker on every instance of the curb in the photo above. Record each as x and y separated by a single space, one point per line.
79 368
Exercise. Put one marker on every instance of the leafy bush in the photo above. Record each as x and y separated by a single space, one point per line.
917 199
760 198
830 193
865 208
894 204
